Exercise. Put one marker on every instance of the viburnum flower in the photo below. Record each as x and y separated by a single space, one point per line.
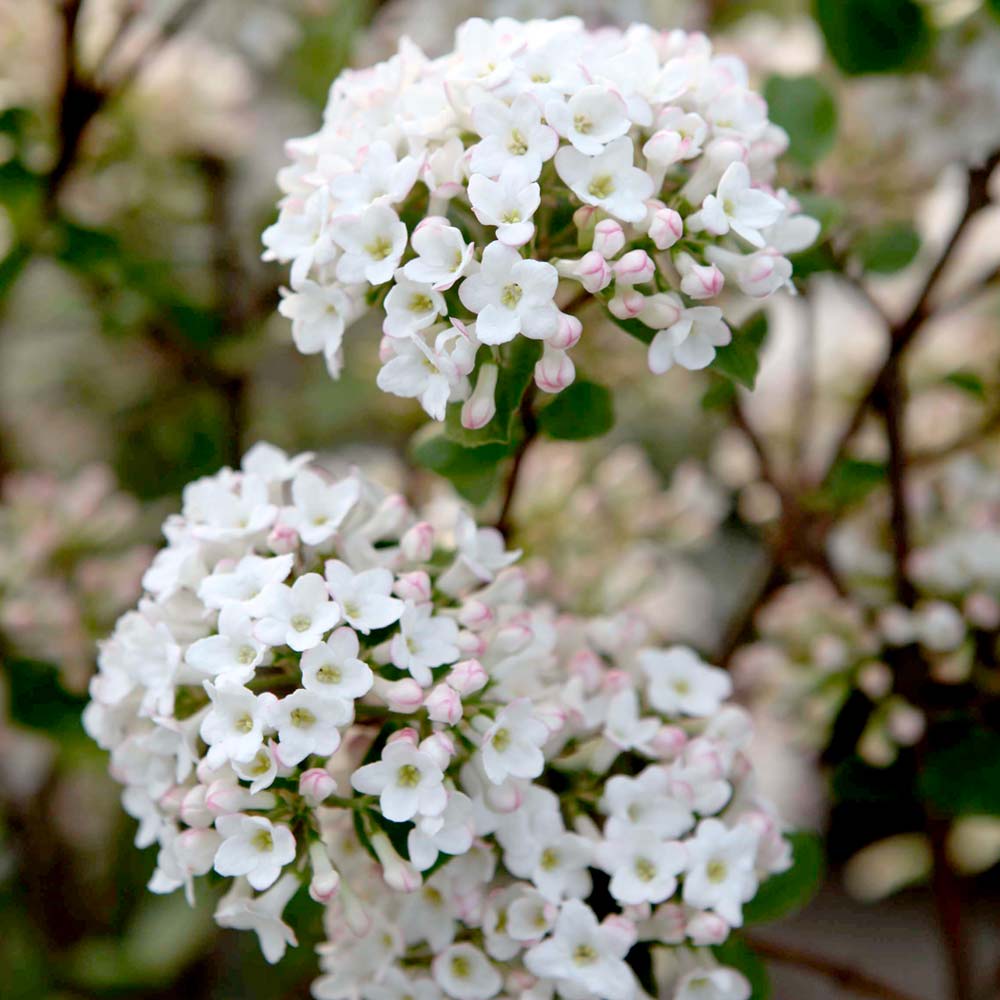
531 167
382 717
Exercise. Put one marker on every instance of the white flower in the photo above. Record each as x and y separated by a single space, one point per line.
233 652
260 770
307 724
720 873
465 973
319 506
332 669
680 683
530 916
228 508
424 641
450 833
482 553
511 134
381 180
713 984
255 847
642 867
442 254
608 180
436 375
234 727
245 583
645 801
560 867
690 342
623 726
319 314
240 910
398 985
583 954
512 746
738 206
590 119
373 244
508 203
364 597
298 616
407 781
511 295
410 307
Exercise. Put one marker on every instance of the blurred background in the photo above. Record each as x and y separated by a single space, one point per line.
140 348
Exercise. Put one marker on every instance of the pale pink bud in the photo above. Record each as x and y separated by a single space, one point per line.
405 735
627 304
588 666
567 334
671 923
440 747
505 798
554 371
398 874
324 887
661 311
706 929
592 271
224 798
468 677
403 696
666 227
621 930
194 812
664 148
282 539
512 639
480 408
668 742
616 681
316 785
196 850
609 238
698 280
585 218
386 350
443 704
764 273
475 615
356 916
417 545
635 268
170 801
471 644
415 586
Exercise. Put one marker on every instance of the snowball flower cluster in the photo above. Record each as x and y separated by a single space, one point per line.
482 199
320 691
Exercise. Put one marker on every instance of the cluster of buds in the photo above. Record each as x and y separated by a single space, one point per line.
320 691
481 199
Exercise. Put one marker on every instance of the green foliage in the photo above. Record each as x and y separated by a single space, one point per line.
873 36
785 894
633 328
993 6
583 410
472 471
964 778
968 382
852 479
737 954
39 701
807 111
740 359
516 371
888 248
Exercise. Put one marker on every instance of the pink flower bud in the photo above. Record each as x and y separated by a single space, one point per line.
627 304
403 696
324 887
585 218
666 227
621 930
440 747
443 704
554 371
661 311
196 850
505 798
415 586
697 280
282 539
224 798
671 923
616 681
480 408
170 801
316 785
194 812
468 677
406 735
417 545
609 238
386 350
398 874
475 615
668 742
706 929
635 268
589 667
568 334
592 271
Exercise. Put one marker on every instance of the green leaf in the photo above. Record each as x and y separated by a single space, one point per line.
993 6
889 248
852 480
873 36
38 699
807 111
472 471
87 250
968 382
516 372
785 894
737 954
719 395
740 359
964 778
633 328
583 410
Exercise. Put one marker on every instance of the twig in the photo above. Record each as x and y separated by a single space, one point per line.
948 903
854 980
530 424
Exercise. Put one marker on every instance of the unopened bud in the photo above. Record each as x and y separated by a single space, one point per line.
609 238
417 545
468 677
627 304
398 874
635 268
554 371
480 408
316 785
415 586
443 704
666 227
404 696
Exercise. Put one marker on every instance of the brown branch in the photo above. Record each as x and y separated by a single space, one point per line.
530 424
849 978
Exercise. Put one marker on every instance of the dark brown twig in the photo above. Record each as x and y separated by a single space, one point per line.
530 425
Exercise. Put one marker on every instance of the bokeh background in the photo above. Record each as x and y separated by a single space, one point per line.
140 348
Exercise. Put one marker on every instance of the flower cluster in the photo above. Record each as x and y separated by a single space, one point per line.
458 194
485 796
